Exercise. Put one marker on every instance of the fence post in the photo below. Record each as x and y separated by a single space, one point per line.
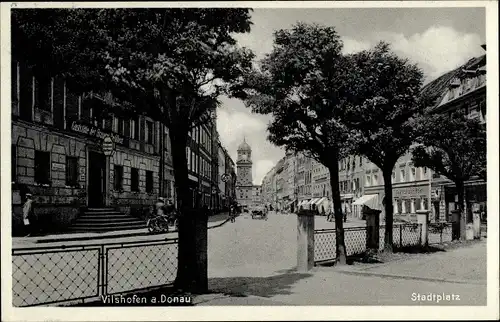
305 240
372 228
476 220
455 228
401 235
423 221
103 269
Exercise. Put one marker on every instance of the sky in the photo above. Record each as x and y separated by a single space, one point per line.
437 39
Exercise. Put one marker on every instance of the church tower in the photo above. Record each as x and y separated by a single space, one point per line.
244 182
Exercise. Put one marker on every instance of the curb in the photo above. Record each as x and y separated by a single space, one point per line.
141 234
410 277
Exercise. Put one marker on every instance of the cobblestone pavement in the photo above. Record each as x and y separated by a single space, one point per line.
257 258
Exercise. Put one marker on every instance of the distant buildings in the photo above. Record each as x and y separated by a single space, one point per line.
361 182
247 194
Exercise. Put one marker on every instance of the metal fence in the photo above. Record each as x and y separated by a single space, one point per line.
440 233
355 240
49 275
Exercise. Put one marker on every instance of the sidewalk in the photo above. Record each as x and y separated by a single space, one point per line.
119 235
460 272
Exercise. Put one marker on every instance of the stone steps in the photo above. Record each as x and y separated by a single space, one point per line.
105 219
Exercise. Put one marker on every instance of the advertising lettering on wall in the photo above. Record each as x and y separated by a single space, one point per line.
96 132
411 192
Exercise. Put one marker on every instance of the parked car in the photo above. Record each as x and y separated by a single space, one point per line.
259 212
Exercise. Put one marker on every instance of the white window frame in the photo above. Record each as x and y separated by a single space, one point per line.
402 174
368 180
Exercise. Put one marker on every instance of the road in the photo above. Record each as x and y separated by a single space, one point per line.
256 259
250 257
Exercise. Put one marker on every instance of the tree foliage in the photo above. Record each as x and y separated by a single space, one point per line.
452 145
304 83
171 64
383 105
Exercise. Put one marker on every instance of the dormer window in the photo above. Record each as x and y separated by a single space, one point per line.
455 83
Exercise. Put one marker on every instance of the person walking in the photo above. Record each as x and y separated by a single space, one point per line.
28 216
232 213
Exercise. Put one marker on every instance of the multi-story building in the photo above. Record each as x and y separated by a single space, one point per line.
280 180
202 161
417 188
256 196
290 194
268 189
221 185
244 181
351 183
57 154
301 195
231 181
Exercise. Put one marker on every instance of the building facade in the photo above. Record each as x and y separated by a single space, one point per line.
463 89
57 155
351 183
244 180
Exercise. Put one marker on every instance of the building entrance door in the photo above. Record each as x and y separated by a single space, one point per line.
97 184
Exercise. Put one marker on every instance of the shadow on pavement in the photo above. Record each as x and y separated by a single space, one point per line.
256 286
419 249
219 217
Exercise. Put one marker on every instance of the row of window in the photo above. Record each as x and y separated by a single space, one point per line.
42 172
134 179
42 169
201 136
410 206
51 95
194 160
414 174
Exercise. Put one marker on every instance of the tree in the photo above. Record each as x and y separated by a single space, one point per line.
169 64
454 146
384 103
303 83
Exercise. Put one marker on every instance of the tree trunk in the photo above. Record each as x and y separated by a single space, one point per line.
461 200
333 167
389 209
192 248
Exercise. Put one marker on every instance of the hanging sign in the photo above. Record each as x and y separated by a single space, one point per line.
108 146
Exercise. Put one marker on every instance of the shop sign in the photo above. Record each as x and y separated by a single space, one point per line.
58 166
94 131
410 192
108 146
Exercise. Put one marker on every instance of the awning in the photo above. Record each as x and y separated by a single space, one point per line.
320 200
313 201
371 201
291 202
323 202
307 202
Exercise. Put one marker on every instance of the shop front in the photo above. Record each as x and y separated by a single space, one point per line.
408 200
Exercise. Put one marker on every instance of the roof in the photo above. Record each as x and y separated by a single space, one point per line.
244 146
437 89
